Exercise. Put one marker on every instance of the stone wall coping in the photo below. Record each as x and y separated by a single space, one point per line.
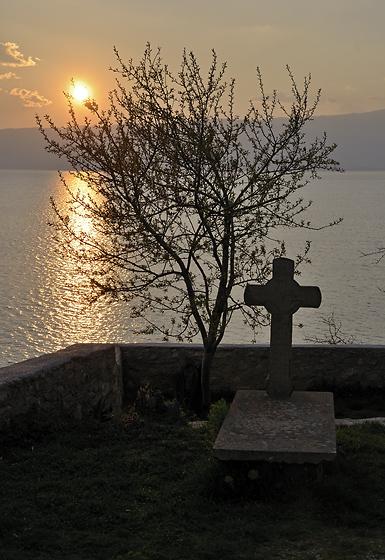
249 345
36 367
354 421
74 381
40 364
79 381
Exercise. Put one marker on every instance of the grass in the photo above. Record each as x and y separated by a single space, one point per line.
144 487
357 402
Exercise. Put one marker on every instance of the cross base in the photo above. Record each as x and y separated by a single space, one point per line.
297 429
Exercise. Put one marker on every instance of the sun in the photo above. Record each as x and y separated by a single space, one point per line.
79 92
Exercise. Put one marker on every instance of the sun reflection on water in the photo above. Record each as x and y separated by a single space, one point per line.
54 305
39 313
72 320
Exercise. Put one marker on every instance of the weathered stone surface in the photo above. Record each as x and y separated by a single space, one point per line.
279 425
355 421
155 364
76 382
282 296
245 366
297 429
51 378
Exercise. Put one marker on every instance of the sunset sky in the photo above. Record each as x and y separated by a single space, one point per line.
45 43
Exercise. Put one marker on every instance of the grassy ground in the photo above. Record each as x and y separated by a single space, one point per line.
359 403
144 488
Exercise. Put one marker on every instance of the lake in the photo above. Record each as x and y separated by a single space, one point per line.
39 315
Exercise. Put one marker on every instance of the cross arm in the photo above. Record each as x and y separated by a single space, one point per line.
289 298
310 296
256 295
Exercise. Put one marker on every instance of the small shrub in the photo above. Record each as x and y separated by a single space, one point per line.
217 414
230 481
253 474
174 410
130 419
215 418
149 401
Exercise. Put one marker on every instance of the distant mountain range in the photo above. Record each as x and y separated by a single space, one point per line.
360 138
23 148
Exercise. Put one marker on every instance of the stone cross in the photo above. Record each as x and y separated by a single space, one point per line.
282 296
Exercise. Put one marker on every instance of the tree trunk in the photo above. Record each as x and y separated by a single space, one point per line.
208 355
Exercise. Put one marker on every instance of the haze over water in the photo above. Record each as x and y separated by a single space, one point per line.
39 315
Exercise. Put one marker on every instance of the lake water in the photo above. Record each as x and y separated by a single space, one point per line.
38 315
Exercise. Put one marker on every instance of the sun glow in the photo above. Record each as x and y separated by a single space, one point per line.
80 92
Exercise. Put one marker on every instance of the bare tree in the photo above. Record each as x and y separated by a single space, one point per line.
334 335
183 194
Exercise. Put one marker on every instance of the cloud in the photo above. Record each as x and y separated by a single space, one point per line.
11 56
30 98
9 76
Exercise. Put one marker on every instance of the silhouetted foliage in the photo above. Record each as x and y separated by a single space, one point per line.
183 194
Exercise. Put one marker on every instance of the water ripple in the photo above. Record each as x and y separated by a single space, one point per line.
38 315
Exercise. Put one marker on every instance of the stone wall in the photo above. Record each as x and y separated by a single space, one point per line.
246 366
79 381
87 379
